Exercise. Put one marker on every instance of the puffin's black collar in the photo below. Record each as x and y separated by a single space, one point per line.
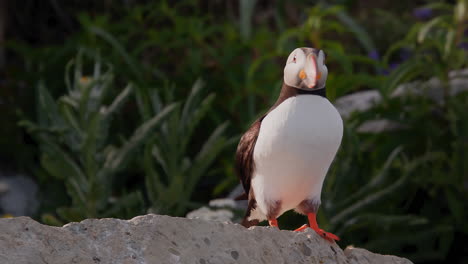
320 92
289 91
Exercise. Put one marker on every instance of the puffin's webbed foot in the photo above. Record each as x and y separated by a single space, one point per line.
327 235
273 223
313 224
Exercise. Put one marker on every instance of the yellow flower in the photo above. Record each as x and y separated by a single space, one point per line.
85 80
7 216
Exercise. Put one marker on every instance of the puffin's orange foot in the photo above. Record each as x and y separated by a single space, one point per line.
302 228
328 236
273 223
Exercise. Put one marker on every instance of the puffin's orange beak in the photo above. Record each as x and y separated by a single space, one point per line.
309 75
302 74
318 76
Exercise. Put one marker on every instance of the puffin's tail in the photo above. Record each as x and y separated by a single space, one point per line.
252 205
241 197
250 223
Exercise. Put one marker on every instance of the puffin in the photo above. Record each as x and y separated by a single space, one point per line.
283 158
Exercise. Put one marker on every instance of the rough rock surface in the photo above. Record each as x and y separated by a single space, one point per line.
163 239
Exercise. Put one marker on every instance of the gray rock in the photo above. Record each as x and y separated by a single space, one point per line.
18 195
433 88
205 213
3 187
238 190
379 126
162 239
365 100
223 202
221 210
357 102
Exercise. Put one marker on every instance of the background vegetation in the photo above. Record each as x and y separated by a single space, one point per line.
117 108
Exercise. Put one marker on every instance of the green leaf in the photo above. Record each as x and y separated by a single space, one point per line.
360 33
69 114
128 205
403 73
61 162
191 101
118 102
460 11
119 48
456 206
48 110
121 157
374 182
427 27
246 8
70 214
195 118
153 179
206 155
89 148
51 220
449 42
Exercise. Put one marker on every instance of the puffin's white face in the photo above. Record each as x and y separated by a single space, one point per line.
305 69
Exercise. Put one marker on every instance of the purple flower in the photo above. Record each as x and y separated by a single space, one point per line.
374 54
463 45
422 13
390 68
405 54
393 66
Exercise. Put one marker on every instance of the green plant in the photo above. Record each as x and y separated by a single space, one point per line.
401 191
436 46
73 133
238 48
180 165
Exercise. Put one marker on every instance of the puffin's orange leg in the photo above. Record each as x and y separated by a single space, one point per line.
273 223
313 224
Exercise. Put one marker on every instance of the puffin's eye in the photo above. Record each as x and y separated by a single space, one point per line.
294 59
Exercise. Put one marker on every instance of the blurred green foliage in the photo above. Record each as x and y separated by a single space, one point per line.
399 192
74 143
405 190
180 164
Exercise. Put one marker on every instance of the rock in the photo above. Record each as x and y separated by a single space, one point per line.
220 210
18 195
379 126
363 256
3 187
164 239
223 202
357 102
241 204
205 213
433 88
365 100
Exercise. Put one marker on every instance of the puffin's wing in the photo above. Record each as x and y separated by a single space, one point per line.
244 157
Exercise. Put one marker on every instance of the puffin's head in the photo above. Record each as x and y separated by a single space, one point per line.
305 69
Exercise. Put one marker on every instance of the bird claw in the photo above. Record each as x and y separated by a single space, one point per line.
302 228
328 236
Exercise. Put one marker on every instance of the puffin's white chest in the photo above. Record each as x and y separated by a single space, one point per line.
295 147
